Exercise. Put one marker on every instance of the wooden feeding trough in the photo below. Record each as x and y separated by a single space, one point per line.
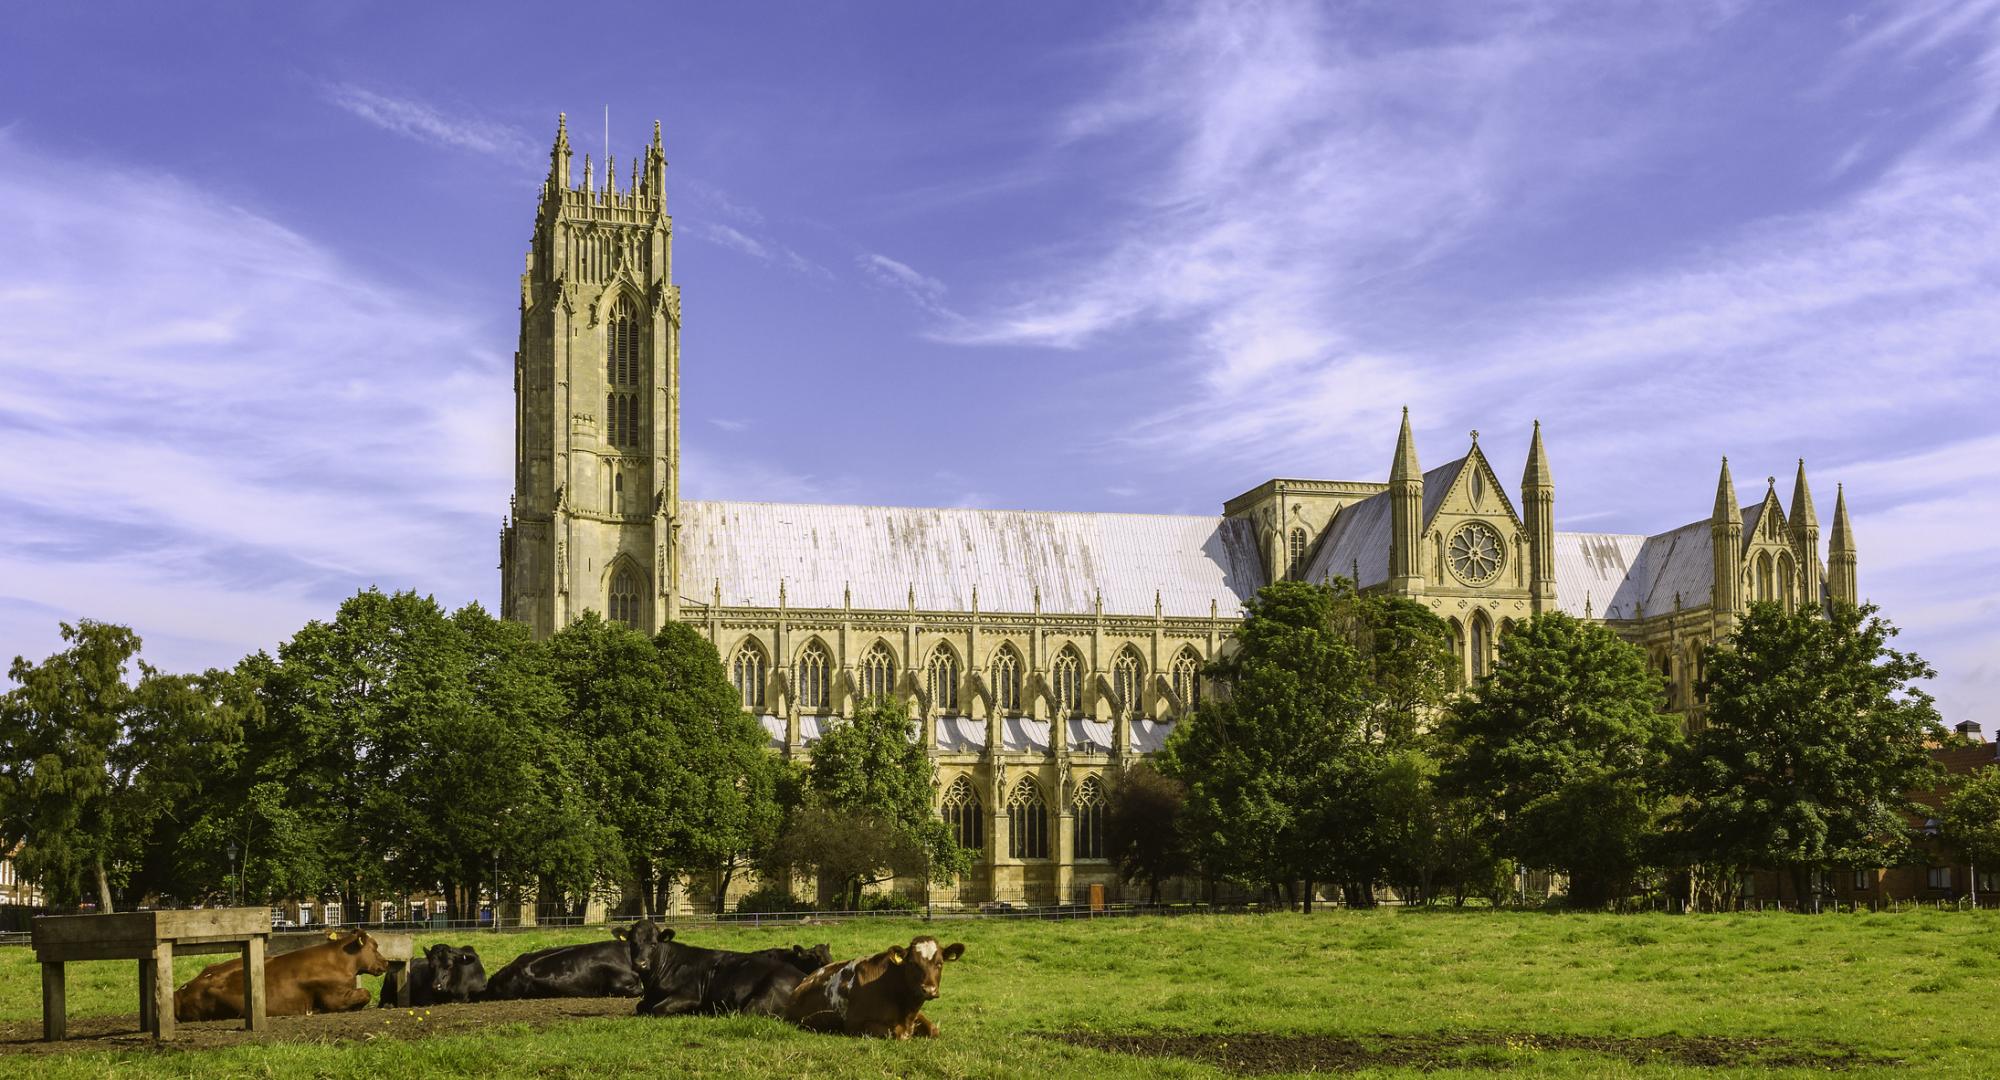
153 938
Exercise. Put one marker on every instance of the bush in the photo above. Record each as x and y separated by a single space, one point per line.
771 900
890 902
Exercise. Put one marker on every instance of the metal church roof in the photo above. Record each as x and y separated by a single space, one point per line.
1622 576
877 557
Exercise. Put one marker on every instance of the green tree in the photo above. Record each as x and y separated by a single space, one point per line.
869 812
90 763
1565 746
1265 762
1970 820
1815 734
1142 827
1410 670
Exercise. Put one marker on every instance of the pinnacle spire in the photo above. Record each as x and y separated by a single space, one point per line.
559 153
1802 514
1842 537
1726 510
1537 472
1406 467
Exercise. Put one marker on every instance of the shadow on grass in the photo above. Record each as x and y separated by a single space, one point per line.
1255 1052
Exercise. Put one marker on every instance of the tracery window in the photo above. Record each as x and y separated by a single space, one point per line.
1006 680
1187 679
1066 683
1298 551
1088 840
623 372
1027 822
1764 577
747 673
1125 681
964 816
941 680
1787 584
813 667
1458 643
625 598
878 672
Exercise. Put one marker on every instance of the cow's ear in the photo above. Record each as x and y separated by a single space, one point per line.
954 950
621 933
895 954
666 935
353 944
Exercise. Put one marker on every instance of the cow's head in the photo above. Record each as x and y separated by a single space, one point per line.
454 967
360 949
920 965
648 942
811 960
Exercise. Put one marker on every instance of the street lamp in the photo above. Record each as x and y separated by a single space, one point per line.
496 888
232 873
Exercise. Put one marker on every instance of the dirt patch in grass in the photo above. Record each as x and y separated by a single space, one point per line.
1264 1052
121 1032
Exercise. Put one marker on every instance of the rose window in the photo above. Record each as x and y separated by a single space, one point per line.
1476 553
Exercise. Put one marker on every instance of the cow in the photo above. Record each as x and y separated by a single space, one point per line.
317 978
444 973
881 995
806 960
594 969
682 979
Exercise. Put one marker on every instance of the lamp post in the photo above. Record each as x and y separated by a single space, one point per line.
232 873
496 888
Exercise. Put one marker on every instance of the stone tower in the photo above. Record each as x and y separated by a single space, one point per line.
1406 515
1841 586
1805 541
596 403
1538 507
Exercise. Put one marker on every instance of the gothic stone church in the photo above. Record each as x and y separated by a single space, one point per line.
1040 651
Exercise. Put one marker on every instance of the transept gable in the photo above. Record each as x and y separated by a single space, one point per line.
1764 525
1467 487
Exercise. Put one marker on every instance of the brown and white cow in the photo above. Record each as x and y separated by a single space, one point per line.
881 995
318 978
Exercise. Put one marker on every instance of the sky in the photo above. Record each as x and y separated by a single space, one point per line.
259 273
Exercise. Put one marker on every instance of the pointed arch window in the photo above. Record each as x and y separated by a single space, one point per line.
625 593
1125 682
1006 680
1027 822
1787 584
1480 646
618 494
1089 811
1458 644
941 680
1764 589
623 375
1066 683
964 816
747 673
813 668
878 672
1187 679
1298 551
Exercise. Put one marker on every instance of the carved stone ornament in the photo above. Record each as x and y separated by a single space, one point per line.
562 566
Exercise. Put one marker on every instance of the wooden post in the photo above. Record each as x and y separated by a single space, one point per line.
254 1016
54 1023
163 990
399 970
146 994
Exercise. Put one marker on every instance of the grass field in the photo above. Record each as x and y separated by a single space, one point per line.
1385 993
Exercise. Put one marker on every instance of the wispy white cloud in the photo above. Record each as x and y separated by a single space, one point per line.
922 289
426 123
728 424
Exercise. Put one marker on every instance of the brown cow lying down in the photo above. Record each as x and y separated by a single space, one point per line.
881 995
318 978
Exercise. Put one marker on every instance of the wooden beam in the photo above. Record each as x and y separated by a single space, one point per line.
55 1025
163 990
254 1017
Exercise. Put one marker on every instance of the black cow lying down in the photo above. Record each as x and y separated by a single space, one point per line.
444 973
682 979
594 969
806 960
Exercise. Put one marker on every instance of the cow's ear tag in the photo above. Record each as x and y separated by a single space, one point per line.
895 956
333 935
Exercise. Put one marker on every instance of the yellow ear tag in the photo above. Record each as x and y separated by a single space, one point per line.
333 935
895 958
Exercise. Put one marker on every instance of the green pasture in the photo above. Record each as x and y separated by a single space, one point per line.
1912 993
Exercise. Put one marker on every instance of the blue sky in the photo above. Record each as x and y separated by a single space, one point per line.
258 273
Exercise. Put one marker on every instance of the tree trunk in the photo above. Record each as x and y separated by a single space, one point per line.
1306 903
104 905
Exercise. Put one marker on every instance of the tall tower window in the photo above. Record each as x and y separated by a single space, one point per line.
1088 840
964 816
747 672
878 672
1298 552
1187 679
1027 822
1066 683
1006 680
618 494
1481 647
625 598
941 681
1125 679
623 373
812 673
